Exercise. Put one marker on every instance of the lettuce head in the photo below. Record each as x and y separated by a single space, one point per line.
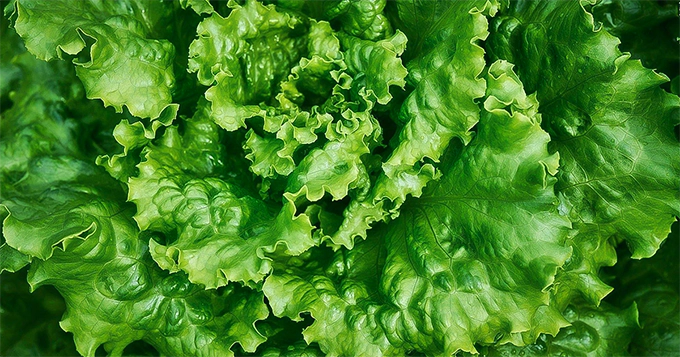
339 178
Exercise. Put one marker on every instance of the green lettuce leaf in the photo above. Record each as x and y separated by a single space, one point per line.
362 19
200 6
184 191
70 219
209 203
471 261
654 285
24 132
611 124
378 61
602 332
487 229
340 291
122 64
434 110
647 29
244 55
86 244
317 128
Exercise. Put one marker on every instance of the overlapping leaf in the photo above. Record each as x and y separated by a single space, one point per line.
647 29
602 332
262 185
124 66
654 285
435 112
611 124
179 192
69 219
469 262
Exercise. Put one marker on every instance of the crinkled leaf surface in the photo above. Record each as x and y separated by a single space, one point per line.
611 124
436 111
70 219
485 241
321 119
470 261
361 19
317 124
183 191
341 293
244 55
601 332
124 66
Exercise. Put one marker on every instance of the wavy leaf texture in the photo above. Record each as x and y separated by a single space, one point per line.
619 156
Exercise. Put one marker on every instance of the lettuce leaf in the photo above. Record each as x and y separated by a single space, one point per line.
305 178
469 262
123 65
653 285
611 124
70 220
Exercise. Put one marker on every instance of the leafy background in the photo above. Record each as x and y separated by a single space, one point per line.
385 72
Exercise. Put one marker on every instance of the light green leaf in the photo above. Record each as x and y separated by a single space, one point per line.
269 156
181 193
70 219
243 57
472 261
86 244
124 66
12 260
438 109
200 6
337 167
133 136
363 19
115 295
340 293
579 277
378 61
235 232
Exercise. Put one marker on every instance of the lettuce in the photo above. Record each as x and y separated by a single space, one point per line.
340 178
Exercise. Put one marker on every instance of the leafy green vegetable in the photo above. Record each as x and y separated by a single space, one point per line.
655 287
619 178
341 178
647 29
123 66
605 331
457 266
